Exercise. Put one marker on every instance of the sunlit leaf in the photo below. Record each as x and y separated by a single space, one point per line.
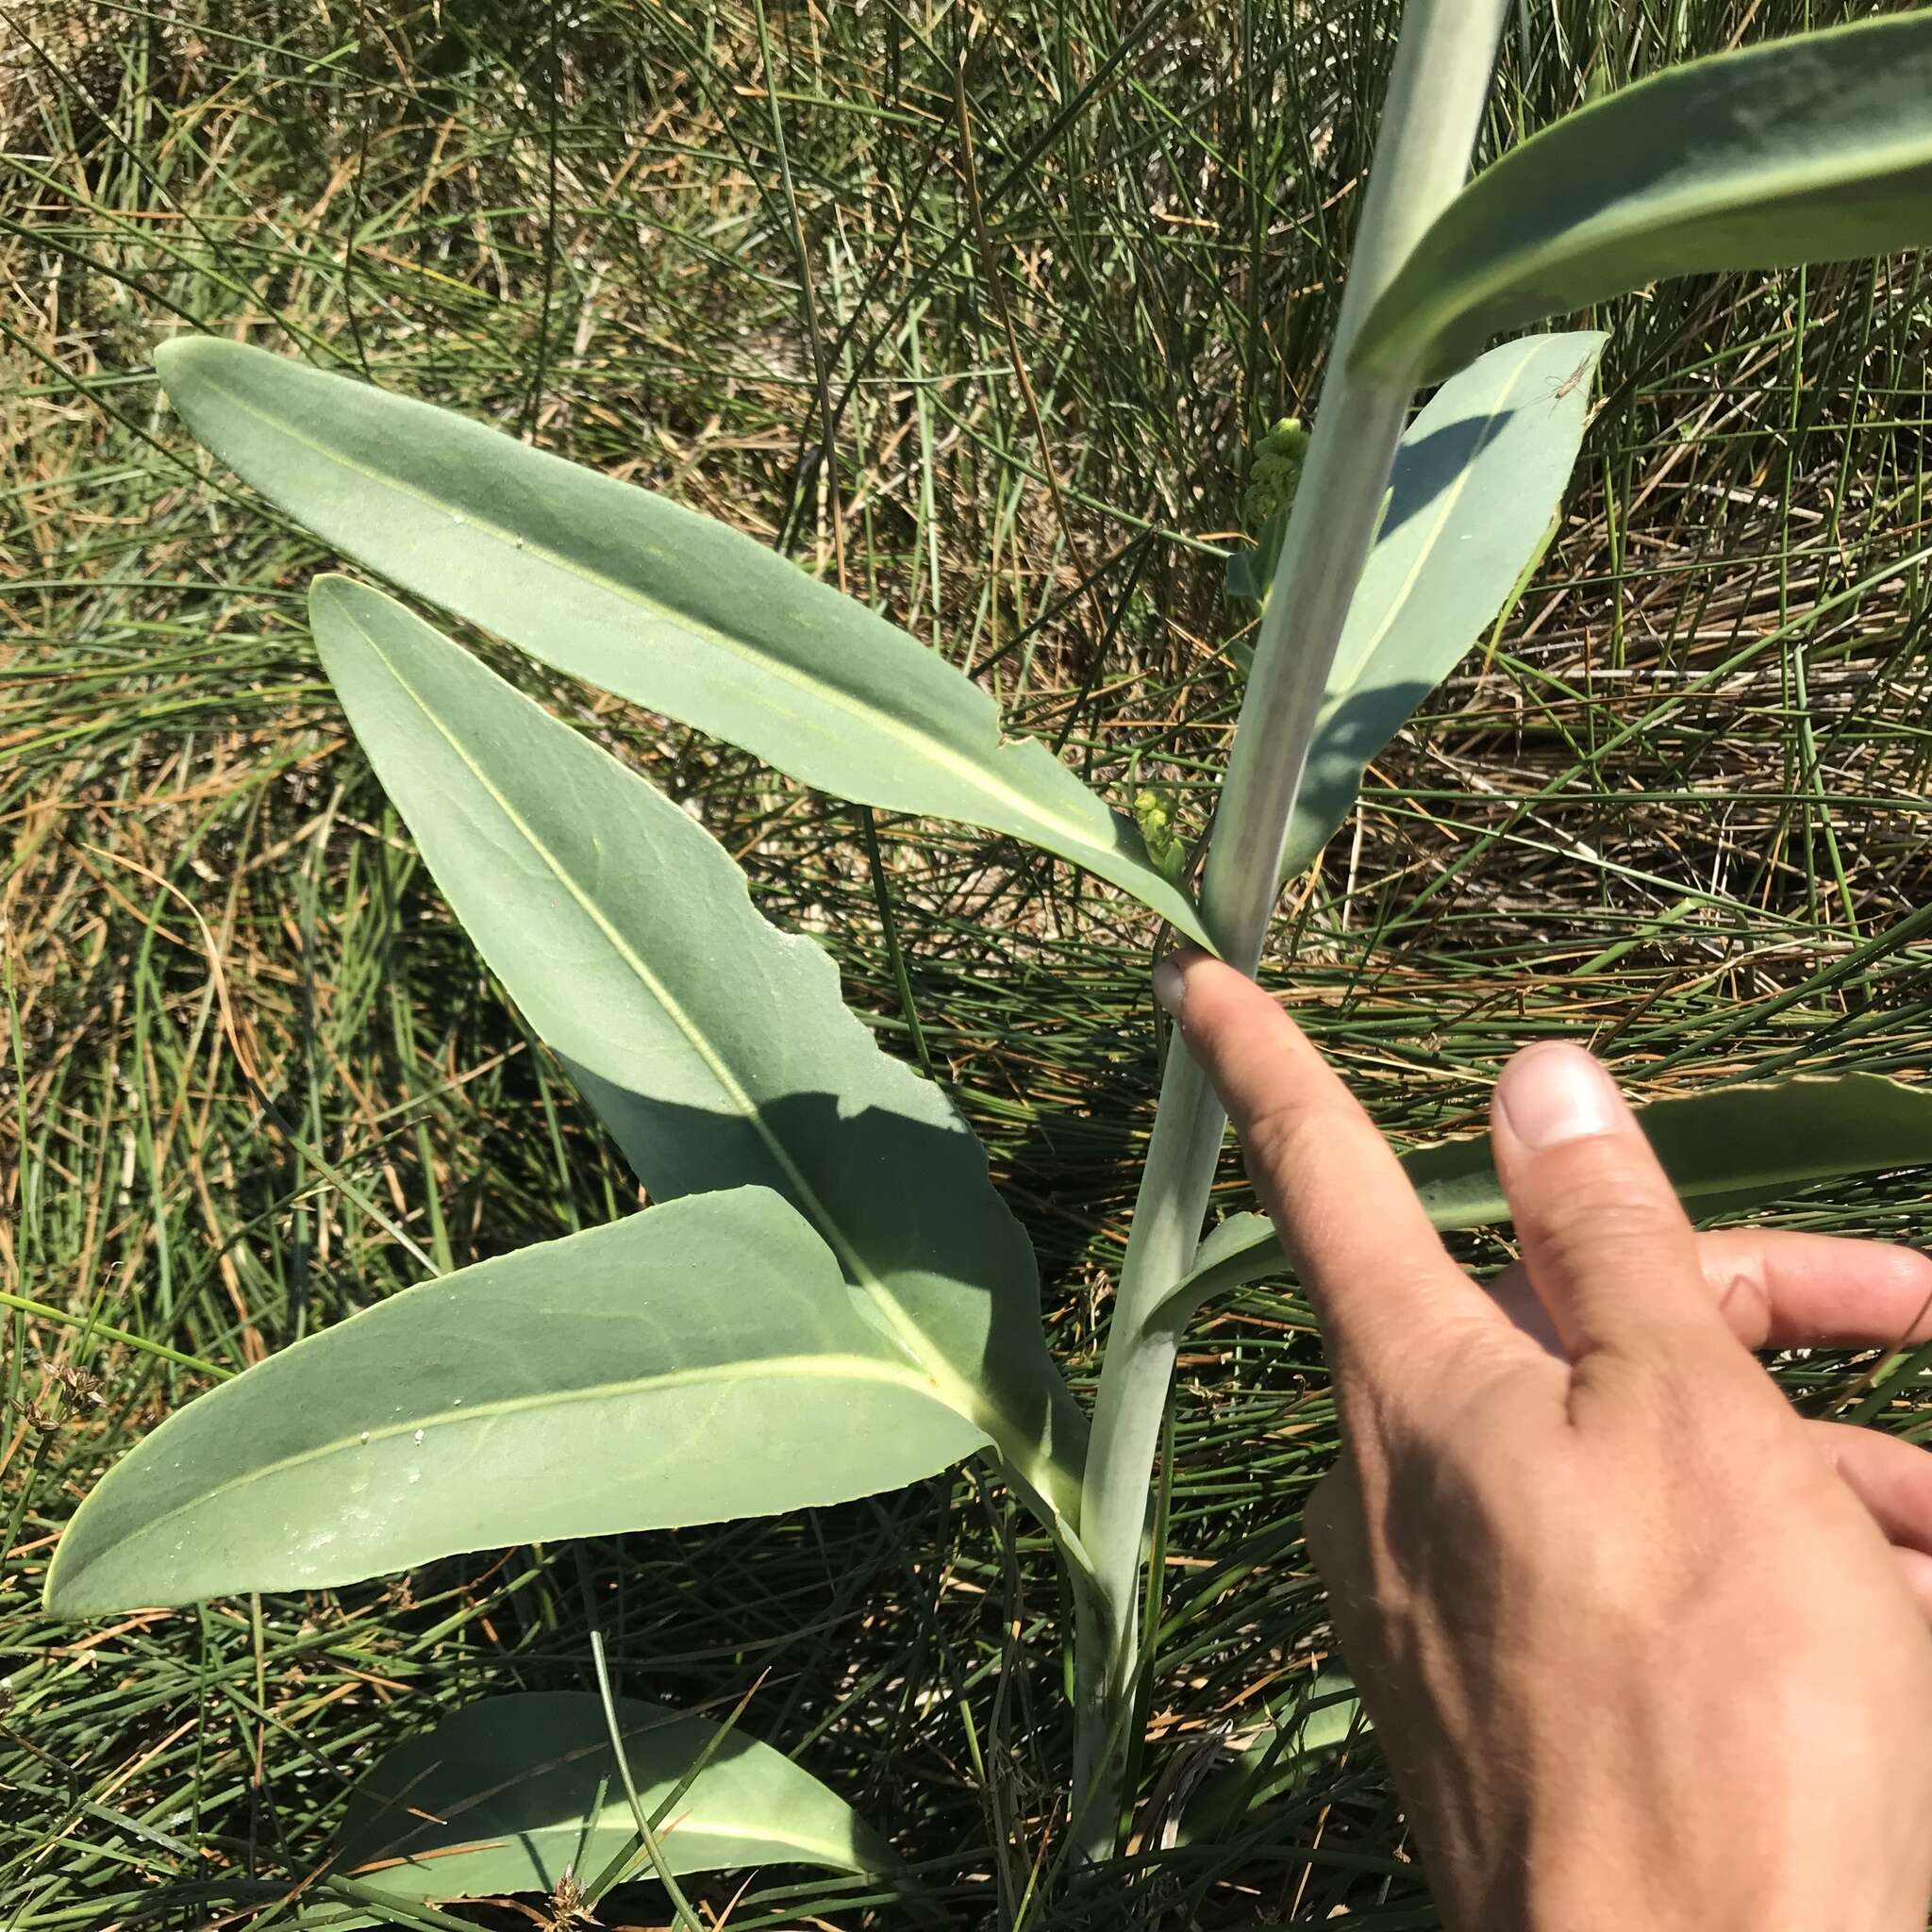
1477 479
715 1046
1815 148
623 587
698 1361
519 1793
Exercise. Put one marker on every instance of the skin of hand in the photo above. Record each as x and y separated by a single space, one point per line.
1643 1648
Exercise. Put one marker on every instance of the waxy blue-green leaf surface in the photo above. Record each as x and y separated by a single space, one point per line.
620 586
1725 1151
1815 148
1477 479
715 1046
700 1360
522 1791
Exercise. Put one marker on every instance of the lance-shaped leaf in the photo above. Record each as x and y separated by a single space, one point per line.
1724 1150
514 1793
700 1361
716 1047
1476 483
620 586
1816 149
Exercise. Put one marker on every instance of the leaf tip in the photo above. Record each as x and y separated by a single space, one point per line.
174 357
329 588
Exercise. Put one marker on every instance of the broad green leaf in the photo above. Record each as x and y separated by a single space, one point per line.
700 1360
1816 149
514 1793
716 1047
1724 1150
615 583
1477 479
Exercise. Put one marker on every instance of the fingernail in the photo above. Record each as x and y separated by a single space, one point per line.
1556 1093
1169 985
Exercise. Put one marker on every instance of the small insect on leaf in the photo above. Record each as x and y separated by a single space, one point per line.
1570 381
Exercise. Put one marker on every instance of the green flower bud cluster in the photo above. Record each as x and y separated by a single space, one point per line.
1154 815
1276 472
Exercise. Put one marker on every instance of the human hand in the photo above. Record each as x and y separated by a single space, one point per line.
1642 1647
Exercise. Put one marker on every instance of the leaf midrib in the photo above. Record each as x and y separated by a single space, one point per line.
949 1386
694 1035
973 773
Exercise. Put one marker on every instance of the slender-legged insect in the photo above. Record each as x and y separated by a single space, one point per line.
1570 381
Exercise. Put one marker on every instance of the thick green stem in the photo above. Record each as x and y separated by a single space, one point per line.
1429 121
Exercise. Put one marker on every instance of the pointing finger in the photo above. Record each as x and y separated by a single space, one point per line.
1384 1285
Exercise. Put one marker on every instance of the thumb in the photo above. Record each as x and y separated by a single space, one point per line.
1610 1252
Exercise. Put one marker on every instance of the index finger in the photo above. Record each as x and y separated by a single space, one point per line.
1383 1284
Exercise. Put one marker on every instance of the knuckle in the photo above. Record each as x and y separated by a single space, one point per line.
1281 1136
1598 1206
1269 1136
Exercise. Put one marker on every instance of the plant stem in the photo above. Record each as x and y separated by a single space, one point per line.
1434 106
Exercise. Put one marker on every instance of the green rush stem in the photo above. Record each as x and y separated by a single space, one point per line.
680 1905
1437 90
